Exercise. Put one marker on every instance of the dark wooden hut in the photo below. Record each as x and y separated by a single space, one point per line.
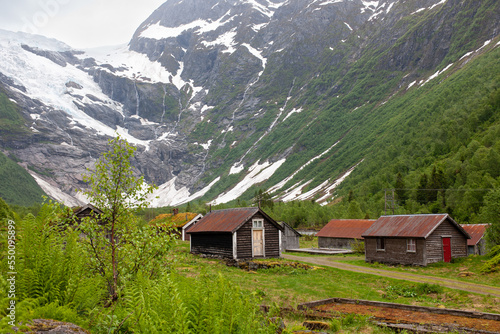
342 233
476 245
415 239
240 233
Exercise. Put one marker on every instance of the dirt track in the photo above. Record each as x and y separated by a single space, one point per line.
449 283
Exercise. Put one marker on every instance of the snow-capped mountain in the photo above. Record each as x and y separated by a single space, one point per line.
222 95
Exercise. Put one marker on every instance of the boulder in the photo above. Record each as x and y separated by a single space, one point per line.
53 326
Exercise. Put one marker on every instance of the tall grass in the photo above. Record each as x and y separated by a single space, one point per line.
206 304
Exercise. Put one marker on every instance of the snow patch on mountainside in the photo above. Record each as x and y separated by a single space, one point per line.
129 64
168 195
293 111
54 192
257 173
324 190
158 31
429 8
226 40
256 53
286 180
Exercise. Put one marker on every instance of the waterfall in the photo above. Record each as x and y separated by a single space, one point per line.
164 107
137 99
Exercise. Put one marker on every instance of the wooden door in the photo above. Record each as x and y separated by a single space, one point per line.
258 243
447 249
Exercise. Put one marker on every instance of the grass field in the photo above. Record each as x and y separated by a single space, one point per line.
286 287
466 269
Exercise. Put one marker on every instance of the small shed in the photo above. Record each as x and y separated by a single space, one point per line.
342 233
177 222
240 233
415 239
476 245
290 238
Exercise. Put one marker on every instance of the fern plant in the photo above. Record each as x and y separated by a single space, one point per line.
176 304
51 279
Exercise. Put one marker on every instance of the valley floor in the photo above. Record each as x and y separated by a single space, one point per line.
446 282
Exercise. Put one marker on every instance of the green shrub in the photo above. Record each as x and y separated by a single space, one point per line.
490 266
358 246
494 251
426 288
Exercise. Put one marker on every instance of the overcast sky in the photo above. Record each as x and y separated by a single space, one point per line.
78 23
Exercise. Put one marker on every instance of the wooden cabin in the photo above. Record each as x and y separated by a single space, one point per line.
241 233
290 238
476 245
415 239
342 233
85 211
176 223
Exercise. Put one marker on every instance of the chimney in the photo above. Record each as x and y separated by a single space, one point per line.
175 211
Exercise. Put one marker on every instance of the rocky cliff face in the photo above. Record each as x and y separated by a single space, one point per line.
222 95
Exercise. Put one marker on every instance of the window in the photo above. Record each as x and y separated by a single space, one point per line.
411 245
380 244
258 223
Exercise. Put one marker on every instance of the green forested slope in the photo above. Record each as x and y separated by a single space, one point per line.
11 121
447 130
17 187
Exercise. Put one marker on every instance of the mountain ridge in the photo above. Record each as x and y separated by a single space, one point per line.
218 102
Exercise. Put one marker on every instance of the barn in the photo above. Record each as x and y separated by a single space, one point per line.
476 245
342 233
415 239
240 233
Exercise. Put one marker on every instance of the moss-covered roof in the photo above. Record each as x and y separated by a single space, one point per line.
173 221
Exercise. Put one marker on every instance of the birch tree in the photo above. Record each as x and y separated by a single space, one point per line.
118 245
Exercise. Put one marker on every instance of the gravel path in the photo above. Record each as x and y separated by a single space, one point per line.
446 282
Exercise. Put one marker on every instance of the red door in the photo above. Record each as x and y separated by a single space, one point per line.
447 249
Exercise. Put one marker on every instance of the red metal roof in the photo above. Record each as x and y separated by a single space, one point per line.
408 226
345 228
476 231
228 220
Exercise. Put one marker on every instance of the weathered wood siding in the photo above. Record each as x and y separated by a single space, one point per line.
220 244
271 240
289 239
395 252
244 241
434 244
338 243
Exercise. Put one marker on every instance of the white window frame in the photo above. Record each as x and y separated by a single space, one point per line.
257 224
411 245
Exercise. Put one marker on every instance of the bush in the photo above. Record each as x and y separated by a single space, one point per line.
491 265
358 247
426 288
494 251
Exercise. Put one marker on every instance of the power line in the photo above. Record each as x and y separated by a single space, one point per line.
445 189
